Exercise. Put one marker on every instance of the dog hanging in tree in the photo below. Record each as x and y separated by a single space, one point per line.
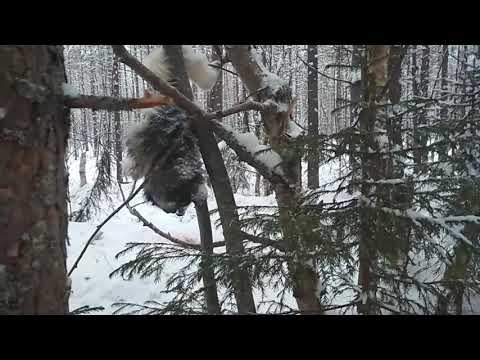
164 134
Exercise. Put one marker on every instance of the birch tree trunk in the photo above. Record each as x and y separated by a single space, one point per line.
301 269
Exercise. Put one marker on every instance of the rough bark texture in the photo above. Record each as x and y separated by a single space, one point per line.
33 208
443 149
208 269
94 113
118 125
424 84
258 177
221 186
398 196
355 97
215 97
374 166
275 122
82 171
312 89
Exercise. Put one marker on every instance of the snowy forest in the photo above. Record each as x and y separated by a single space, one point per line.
240 179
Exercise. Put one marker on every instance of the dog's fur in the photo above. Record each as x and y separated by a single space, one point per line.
171 183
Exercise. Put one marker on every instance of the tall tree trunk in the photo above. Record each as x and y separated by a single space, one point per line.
355 96
424 81
215 97
417 152
267 186
258 177
118 125
82 171
93 83
217 172
246 119
338 88
84 112
106 121
374 167
312 98
443 149
398 196
33 185
301 267
207 266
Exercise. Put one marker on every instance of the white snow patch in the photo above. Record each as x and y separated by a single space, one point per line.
196 65
198 68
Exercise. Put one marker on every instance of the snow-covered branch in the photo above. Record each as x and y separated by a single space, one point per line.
261 162
157 83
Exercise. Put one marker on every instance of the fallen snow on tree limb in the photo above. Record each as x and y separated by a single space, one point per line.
260 152
415 216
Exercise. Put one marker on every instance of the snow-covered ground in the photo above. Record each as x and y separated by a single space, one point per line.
91 284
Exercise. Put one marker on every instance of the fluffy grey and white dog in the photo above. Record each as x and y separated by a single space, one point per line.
162 148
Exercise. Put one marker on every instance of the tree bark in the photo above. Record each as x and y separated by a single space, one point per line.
424 81
258 177
207 265
221 186
118 125
373 167
301 270
83 174
93 83
443 150
312 98
246 118
33 185
215 97
417 153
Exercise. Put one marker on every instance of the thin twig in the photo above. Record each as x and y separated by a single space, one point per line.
155 229
101 225
320 73
222 68
245 106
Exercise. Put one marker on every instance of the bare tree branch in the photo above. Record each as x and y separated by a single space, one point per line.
157 83
100 226
155 229
197 113
223 69
320 73
115 104
245 106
